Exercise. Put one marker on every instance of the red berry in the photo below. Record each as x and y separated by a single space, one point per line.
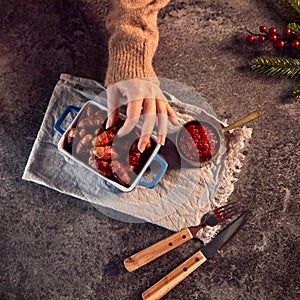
298 37
261 38
273 37
272 30
287 31
263 28
250 38
295 44
278 44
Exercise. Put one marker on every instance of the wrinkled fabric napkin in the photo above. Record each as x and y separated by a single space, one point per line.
181 197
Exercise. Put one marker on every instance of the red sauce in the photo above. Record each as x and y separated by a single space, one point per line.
198 142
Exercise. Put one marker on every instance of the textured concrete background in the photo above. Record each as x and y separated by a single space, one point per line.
56 247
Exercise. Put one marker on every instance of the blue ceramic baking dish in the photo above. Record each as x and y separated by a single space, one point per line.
140 179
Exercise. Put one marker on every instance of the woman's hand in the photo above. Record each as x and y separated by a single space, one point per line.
143 97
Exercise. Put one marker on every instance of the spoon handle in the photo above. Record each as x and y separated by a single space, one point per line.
252 116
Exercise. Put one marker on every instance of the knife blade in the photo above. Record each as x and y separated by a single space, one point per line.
163 286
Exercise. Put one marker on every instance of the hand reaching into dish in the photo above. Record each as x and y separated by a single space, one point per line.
143 97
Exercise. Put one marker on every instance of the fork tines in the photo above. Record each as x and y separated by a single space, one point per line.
226 211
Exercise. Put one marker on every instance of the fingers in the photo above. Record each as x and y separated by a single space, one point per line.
113 105
143 141
150 109
143 97
172 115
133 114
127 127
112 118
164 111
162 121
149 118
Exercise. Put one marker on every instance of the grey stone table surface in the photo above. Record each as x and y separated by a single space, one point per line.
54 246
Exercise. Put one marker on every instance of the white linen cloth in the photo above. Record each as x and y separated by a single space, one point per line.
181 197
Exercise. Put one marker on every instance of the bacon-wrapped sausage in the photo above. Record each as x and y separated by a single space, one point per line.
72 135
101 166
84 144
105 137
119 172
105 152
134 157
82 132
98 131
90 110
100 114
90 122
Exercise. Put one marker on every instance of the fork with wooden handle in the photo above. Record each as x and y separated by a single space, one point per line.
162 247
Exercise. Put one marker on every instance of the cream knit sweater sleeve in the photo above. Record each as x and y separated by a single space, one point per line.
134 38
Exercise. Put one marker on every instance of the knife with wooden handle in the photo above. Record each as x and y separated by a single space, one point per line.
158 249
168 282
163 286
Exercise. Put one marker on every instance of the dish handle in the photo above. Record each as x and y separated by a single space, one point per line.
57 124
159 175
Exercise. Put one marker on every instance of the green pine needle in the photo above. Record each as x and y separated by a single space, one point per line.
296 92
293 6
276 66
294 27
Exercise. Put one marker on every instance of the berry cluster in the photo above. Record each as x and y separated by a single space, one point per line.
279 41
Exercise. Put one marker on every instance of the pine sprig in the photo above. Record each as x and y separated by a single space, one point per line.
276 66
294 27
293 6
280 66
296 92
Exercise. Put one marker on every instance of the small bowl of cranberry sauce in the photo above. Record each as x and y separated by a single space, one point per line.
198 143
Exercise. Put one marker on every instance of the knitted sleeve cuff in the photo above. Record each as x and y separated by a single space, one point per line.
130 60
134 39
